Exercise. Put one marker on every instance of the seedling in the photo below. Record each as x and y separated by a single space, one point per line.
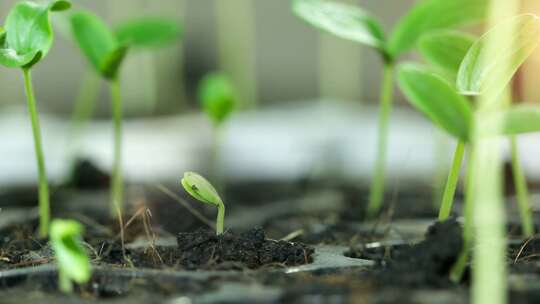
218 100
73 262
446 50
201 189
25 40
353 23
450 107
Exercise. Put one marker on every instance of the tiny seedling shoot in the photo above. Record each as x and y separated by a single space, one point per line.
218 99
451 108
201 189
26 38
106 53
73 262
355 24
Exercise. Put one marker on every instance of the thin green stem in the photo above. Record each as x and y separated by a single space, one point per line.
220 218
117 184
64 283
458 269
44 208
522 192
377 184
451 182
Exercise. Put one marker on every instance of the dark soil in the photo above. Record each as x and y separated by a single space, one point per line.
86 175
204 249
427 263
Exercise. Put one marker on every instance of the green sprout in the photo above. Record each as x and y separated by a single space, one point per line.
218 99
447 50
106 54
25 39
201 189
450 107
140 34
73 262
352 23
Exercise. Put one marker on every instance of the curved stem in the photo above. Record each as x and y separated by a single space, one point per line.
522 192
117 186
377 184
220 218
451 182
44 208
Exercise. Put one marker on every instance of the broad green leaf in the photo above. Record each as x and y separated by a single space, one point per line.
477 76
66 241
430 15
200 188
520 119
27 35
345 21
98 43
437 99
149 32
445 49
217 97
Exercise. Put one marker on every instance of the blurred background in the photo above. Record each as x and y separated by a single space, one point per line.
308 100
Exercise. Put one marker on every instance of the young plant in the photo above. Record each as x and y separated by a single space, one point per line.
218 100
352 23
201 189
73 262
450 107
105 53
446 50
25 40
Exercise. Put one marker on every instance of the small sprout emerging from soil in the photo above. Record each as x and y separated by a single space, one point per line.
73 262
201 189
25 39
353 23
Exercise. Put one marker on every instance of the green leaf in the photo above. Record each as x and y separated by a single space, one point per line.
149 32
430 15
437 99
217 96
27 35
445 49
112 62
520 119
98 43
66 241
200 188
345 21
60 5
476 76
